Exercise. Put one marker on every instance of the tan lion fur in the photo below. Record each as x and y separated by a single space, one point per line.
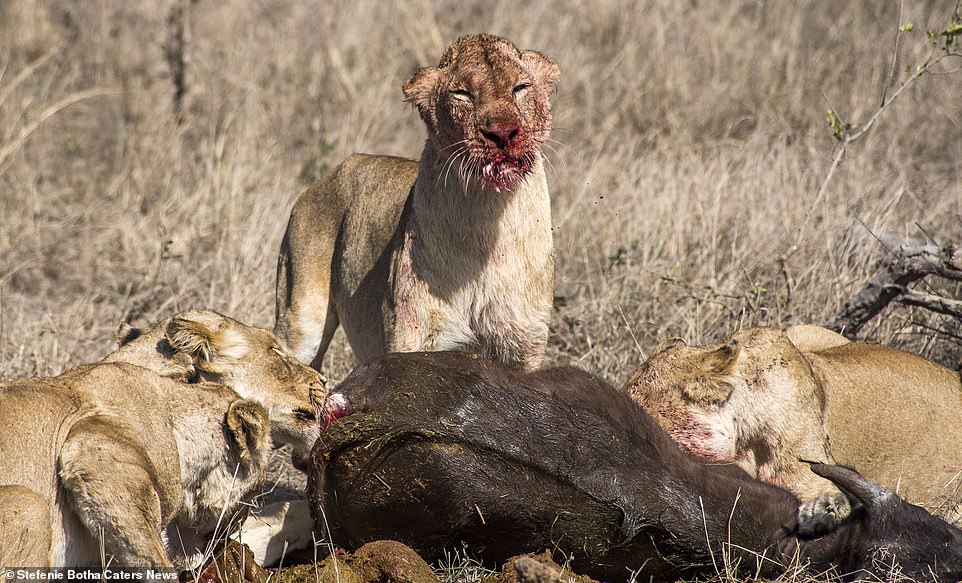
205 345
452 252
114 454
757 400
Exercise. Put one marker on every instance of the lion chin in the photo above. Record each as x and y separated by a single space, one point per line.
503 173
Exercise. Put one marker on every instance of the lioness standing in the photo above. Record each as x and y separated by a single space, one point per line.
452 252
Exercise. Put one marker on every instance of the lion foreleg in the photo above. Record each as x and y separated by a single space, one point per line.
25 528
110 482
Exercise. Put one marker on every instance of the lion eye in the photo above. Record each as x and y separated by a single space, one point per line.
461 95
304 415
521 88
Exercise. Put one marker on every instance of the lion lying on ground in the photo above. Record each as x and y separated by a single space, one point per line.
452 252
757 400
114 454
205 345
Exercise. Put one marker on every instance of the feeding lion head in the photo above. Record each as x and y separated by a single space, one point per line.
205 345
487 107
752 400
769 400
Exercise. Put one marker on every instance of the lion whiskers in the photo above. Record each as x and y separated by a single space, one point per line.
449 162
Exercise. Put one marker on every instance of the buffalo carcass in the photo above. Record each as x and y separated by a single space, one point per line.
443 448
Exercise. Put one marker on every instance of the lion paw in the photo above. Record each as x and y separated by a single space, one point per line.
823 514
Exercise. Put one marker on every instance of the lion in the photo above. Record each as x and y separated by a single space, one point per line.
453 251
205 345
757 400
113 464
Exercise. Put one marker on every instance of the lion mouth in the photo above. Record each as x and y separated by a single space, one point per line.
504 172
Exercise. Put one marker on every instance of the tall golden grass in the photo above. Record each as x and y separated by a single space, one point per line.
690 144
689 149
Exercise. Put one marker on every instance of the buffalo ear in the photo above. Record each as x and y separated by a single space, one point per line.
421 88
857 487
126 334
211 350
249 430
545 69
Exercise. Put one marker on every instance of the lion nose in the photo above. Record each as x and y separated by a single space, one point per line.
501 134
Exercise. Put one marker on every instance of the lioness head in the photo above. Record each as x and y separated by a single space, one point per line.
204 345
726 401
685 389
487 108
751 399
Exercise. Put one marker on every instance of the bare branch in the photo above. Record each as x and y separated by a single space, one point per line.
931 302
895 54
913 263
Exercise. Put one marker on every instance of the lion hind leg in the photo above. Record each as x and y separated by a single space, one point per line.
330 327
109 481
304 315
25 528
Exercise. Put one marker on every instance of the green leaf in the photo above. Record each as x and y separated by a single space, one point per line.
907 27
954 30
839 128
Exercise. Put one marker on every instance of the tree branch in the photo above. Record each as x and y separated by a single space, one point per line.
914 262
931 302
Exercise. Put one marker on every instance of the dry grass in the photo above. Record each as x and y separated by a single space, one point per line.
690 146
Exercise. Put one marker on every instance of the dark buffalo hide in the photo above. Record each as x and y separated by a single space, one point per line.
447 448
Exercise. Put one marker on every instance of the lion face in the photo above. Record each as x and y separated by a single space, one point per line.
204 345
259 369
751 399
487 107
685 390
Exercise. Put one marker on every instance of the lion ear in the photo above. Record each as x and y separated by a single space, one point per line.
211 350
249 429
419 89
669 344
720 363
714 381
126 334
545 69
